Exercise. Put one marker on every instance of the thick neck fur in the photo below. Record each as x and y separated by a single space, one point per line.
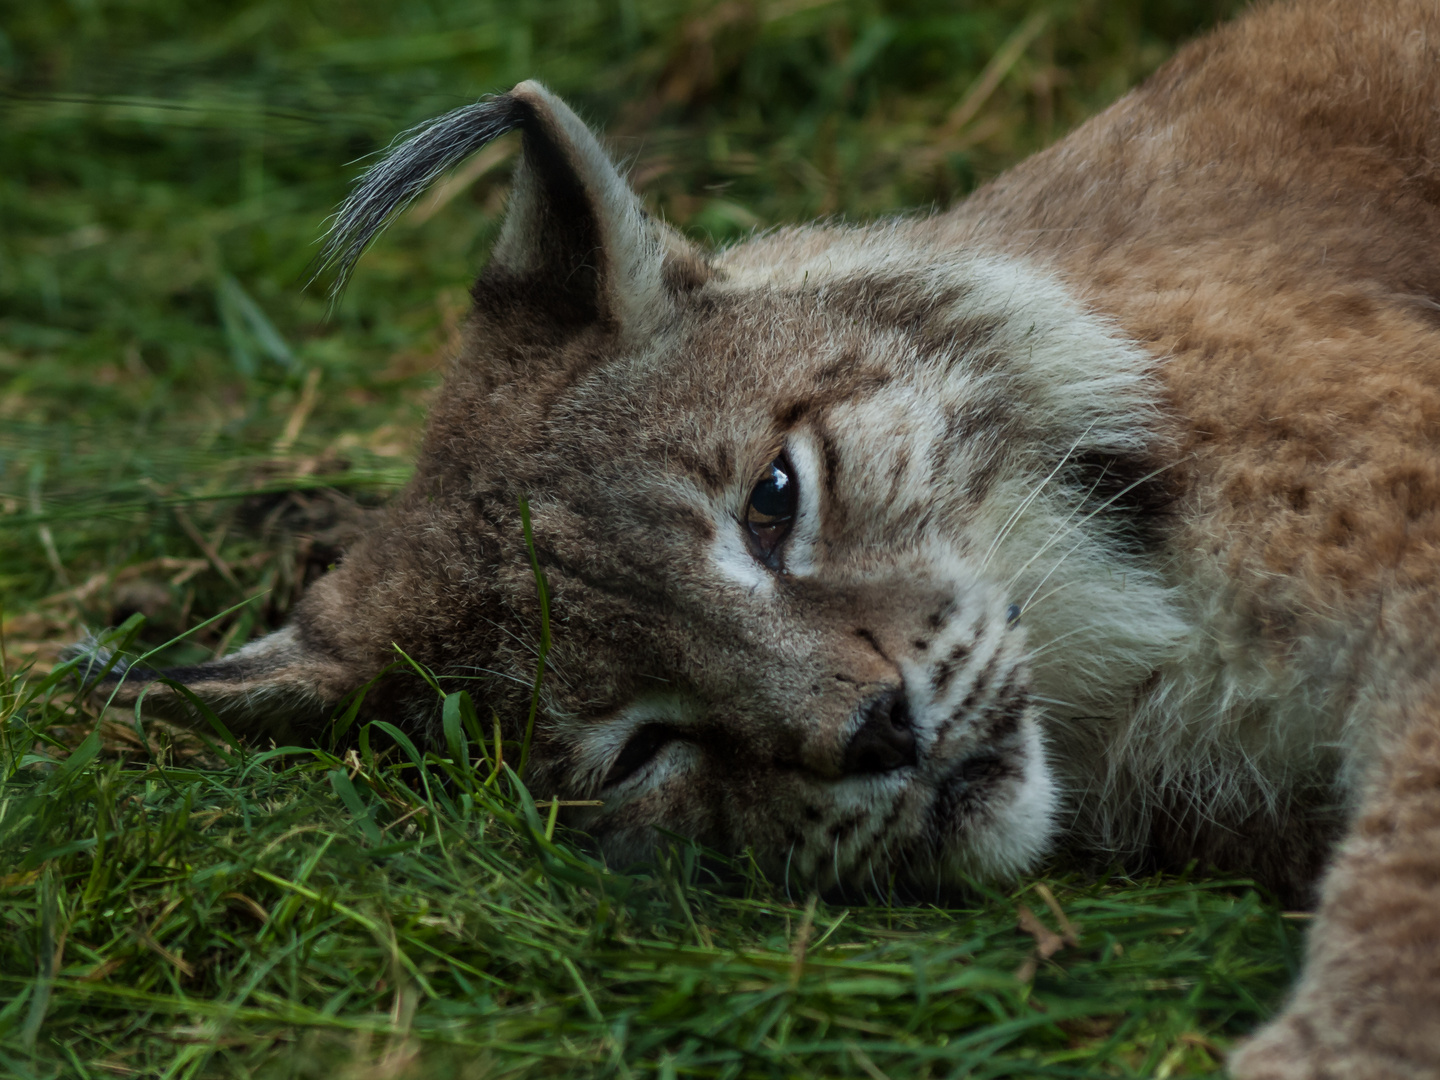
1258 217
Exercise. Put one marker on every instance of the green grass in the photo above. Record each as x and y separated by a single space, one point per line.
184 429
292 912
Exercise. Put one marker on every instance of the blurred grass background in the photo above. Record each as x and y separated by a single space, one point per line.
184 426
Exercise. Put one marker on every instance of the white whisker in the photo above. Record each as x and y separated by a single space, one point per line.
1054 701
1032 604
1066 528
1049 646
1025 503
488 671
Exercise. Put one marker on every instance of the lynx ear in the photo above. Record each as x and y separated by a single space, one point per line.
576 248
277 687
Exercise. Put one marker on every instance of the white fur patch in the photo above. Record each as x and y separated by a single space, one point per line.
800 556
1021 828
733 560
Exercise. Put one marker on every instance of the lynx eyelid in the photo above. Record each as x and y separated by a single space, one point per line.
639 751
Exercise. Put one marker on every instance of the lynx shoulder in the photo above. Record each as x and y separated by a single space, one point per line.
1098 514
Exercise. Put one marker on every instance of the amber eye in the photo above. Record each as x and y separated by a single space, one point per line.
771 510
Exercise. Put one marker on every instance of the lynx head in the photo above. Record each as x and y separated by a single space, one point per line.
834 523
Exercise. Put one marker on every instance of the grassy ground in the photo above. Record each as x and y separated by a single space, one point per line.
183 430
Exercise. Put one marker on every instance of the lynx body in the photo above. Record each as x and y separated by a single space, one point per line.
1100 513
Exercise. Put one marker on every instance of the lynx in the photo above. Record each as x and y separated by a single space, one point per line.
1099 514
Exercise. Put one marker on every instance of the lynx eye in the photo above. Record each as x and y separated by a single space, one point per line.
638 752
771 510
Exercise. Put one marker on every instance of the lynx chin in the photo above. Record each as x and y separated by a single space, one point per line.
1099 515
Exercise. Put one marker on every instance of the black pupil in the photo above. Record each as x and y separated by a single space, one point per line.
774 496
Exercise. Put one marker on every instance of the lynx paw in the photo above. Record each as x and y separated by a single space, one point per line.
1300 1046
1286 1049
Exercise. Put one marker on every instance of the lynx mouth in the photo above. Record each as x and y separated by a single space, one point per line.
970 788
993 814
986 814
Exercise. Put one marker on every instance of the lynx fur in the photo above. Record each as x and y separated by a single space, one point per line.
1099 514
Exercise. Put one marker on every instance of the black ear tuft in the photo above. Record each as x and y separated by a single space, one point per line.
415 160
93 660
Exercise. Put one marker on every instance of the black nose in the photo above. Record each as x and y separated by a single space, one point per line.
885 740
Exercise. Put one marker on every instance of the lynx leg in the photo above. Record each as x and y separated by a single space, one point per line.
1368 1004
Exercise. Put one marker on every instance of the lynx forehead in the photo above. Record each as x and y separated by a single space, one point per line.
1099 513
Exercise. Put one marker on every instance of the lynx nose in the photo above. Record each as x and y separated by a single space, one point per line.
885 740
